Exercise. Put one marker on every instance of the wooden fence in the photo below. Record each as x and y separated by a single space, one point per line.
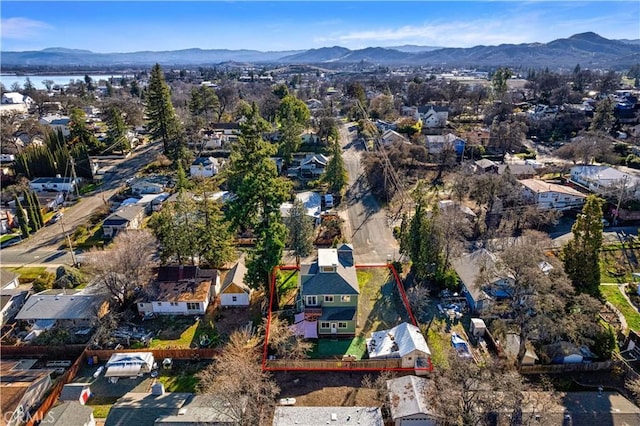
55 391
566 368
323 364
188 354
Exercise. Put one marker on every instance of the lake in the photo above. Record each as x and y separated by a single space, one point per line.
8 80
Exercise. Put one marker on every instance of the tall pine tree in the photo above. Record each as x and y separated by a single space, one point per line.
581 255
162 120
22 218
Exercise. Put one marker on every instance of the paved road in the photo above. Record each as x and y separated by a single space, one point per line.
46 243
366 225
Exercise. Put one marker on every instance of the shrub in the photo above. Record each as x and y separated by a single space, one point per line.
43 282
68 277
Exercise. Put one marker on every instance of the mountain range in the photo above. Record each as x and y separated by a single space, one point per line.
589 49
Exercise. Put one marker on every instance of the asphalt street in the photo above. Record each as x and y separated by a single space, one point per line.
44 247
366 225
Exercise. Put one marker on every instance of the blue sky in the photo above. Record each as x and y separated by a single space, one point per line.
119 26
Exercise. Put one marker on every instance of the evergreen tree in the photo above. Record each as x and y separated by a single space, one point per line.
22 218
335 175
182 182
581 255
300 231
603 118
161 116
39 215
203 102
31 211
79 132
117 131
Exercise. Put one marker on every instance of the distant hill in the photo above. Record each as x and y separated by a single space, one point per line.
590 50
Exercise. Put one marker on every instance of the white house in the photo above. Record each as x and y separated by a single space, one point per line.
313 165
408 402
390 137
56 184
8 279
129 364
433 115
435 144
603 180
551 196
403 341
57 122
128 217
204 167
15 98
144 186
234 292
312 201
180 290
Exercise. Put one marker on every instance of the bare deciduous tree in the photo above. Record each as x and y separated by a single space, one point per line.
126 266
285 342
236 378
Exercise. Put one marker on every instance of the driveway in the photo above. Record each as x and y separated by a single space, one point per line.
365 221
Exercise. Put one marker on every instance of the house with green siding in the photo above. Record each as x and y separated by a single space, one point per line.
328 292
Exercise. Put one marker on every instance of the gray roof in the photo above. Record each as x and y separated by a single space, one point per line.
317 416
338 314
585 408
61 306
407 396
343 281
127 214
201 410
142 409
235 276
72 391
485 163
70 413
6 277
517 169
470 266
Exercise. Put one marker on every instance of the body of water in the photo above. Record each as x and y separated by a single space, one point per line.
8 80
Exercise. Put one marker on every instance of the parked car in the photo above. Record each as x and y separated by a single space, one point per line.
56 217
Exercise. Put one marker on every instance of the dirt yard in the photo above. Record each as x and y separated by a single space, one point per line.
326 388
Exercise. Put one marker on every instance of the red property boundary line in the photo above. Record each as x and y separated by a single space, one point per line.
405 302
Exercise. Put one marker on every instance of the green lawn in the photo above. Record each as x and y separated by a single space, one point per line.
179 383
327 348
8 237
101 405
287 283
438 344
183 342
28 273
631 314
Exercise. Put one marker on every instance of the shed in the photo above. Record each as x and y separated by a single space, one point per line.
234 292
129 364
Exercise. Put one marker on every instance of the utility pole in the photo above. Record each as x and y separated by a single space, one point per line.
66 234
74 176
620 197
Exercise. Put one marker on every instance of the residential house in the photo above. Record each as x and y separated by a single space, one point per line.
180 290
312 202
70 413
328 292
389 137
63 308
404 341
481 279
409 403
518 171
226 128
551 196
437 143
55 184
234 292
15 98
433 115
22 389
604 180
320 416
57 122
313 165
204 167
76 392
152 202
128 217
451 205
201 410
142 409
8 279
485 165
145 186
50 201
11 301
314 104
